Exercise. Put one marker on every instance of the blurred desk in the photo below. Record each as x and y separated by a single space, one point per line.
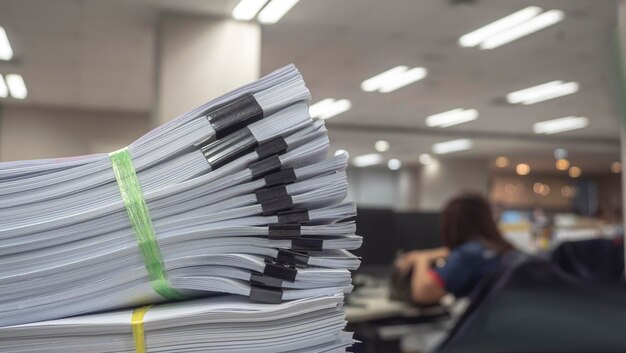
381 323
360 309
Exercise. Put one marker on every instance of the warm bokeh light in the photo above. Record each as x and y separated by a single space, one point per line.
522 169
616 167
502 162
541 189
562 164
575 172
510 189
568 191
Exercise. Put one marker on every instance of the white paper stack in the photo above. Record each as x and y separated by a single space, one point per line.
236 197
225 324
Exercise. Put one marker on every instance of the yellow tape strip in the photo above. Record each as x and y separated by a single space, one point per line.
137 325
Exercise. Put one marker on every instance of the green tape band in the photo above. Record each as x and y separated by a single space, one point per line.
139 216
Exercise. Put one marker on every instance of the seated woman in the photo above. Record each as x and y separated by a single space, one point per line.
473 247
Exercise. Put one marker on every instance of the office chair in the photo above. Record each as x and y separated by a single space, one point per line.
592 260
533 306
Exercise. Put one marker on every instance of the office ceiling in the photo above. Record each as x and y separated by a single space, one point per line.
100 55
338 44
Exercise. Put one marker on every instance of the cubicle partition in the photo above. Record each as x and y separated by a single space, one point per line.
387 233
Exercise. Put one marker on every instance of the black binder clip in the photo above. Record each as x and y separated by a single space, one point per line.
274 199
276 270
259 279
307 244
291 257
229 148
264 294
265 166
296 215
234 115
277 145
283 231
268 194
283 176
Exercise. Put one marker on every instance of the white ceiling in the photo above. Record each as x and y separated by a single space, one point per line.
337 44
100 55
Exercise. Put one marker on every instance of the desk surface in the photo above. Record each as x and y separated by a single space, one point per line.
375 305
367 309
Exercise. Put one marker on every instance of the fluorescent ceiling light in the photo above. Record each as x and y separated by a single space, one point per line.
452 146
476 37
367 160
560 125
4 90
535 24
17 87
408 77
452 117
393 79
542 92
275 10
247 9
329 107
320 107
382 146
374 83
6 52
394 164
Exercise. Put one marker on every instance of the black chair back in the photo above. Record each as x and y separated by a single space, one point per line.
533 306
593 260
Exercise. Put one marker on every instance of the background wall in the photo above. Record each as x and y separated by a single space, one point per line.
31 133
200 58
417 188
520 192
444 179
610 197
374 187
592 195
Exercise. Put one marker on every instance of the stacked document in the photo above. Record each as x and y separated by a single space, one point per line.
225 325
236 198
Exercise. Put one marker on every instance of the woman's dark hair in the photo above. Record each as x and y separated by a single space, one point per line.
468 218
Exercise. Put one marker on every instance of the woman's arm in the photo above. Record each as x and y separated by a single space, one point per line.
424 288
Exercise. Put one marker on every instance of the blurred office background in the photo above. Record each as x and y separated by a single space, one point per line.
456 111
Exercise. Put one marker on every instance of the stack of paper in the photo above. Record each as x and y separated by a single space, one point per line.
235 197
225 325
